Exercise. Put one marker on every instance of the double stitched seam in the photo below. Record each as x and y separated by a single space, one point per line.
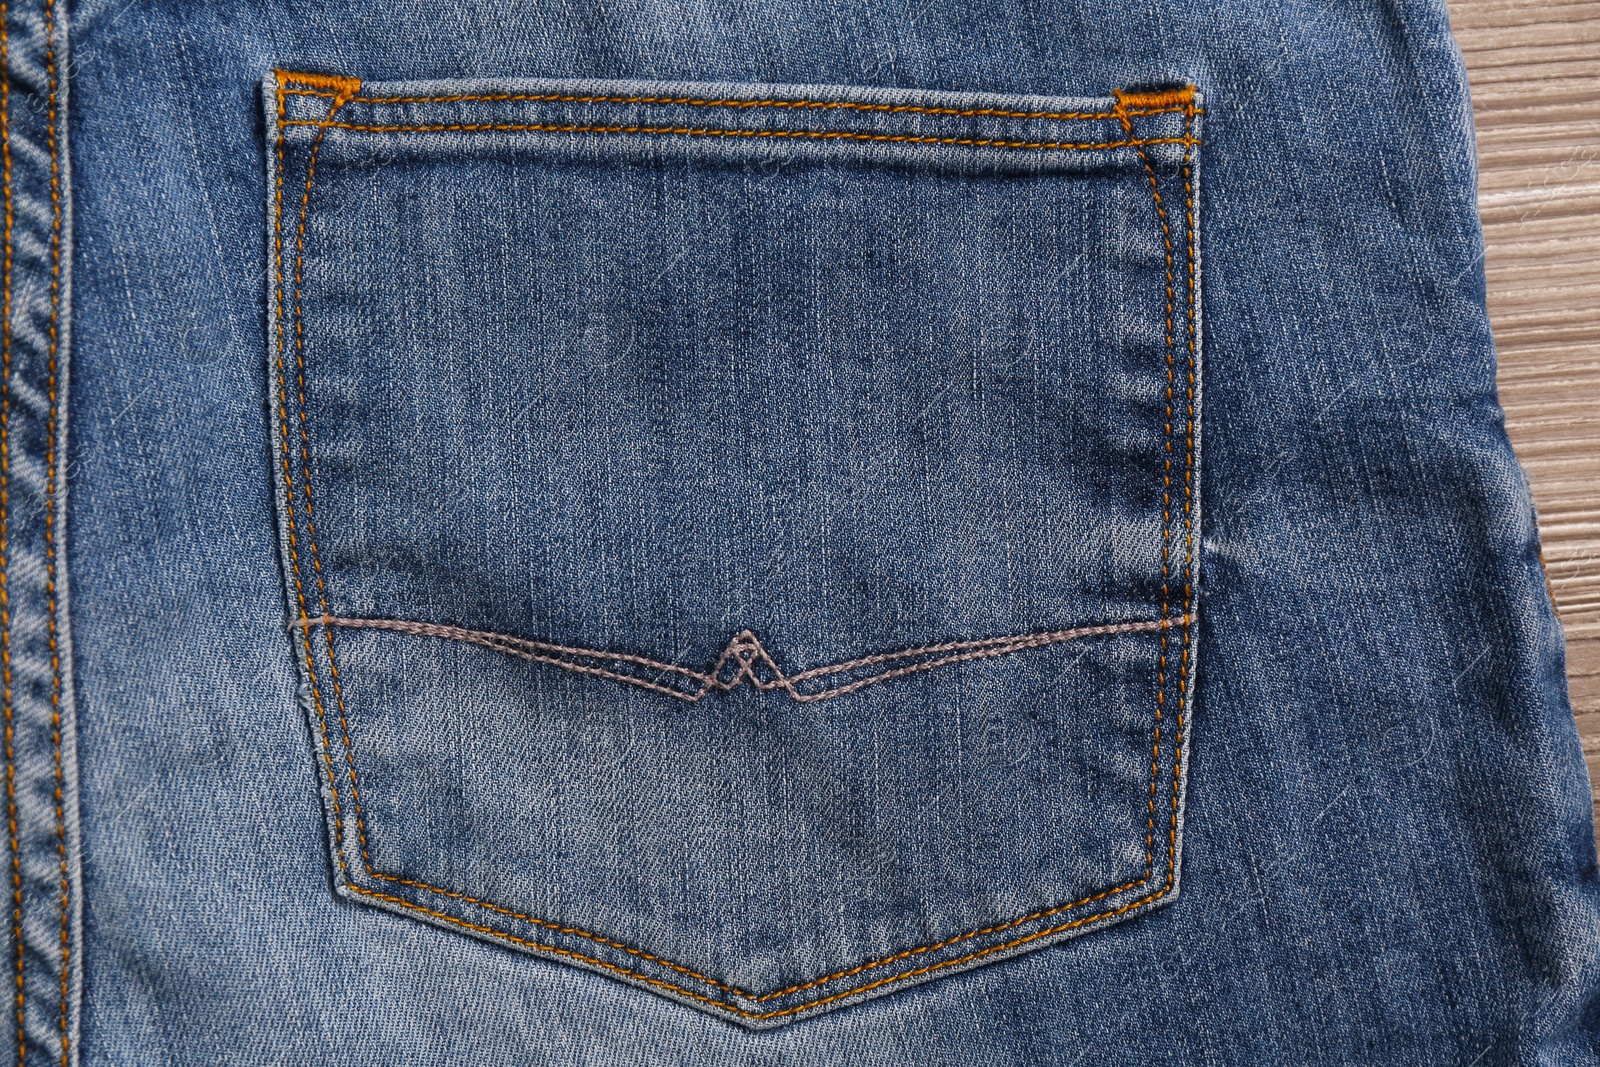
309 655
746 652
1189 591
1182 681
305 484
285 451
5 531
695 131
880 983
343 96
51 475
735 1008
1166 504
497 642
985 932
687 101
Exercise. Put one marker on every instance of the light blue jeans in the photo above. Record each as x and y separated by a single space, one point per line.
777 533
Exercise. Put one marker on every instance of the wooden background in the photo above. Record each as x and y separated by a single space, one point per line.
1534 66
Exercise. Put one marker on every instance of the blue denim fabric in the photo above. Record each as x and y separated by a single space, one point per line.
645 534
42 941
753 530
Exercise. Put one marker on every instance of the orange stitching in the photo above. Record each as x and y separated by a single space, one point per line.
746 650
1166 99
736 1009
49 518
446 631
404 903
339 84
991 950
493 932
294 556
985 932
736 991
1166 510
557 928
346 92
5 527
570 98
819 105
709 679
305 623
687 131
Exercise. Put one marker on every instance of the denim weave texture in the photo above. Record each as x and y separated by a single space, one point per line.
778 533
789 490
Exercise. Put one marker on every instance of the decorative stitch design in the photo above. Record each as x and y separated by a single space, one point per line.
745 650
745 653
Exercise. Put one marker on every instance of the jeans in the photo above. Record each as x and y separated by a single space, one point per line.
783 533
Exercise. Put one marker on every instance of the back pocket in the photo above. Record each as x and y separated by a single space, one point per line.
740 539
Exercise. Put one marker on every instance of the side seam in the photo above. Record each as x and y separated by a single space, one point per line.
41 769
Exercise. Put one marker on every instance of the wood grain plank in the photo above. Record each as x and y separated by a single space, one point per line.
1534 69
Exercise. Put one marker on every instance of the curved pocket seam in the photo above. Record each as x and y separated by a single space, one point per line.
341 91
